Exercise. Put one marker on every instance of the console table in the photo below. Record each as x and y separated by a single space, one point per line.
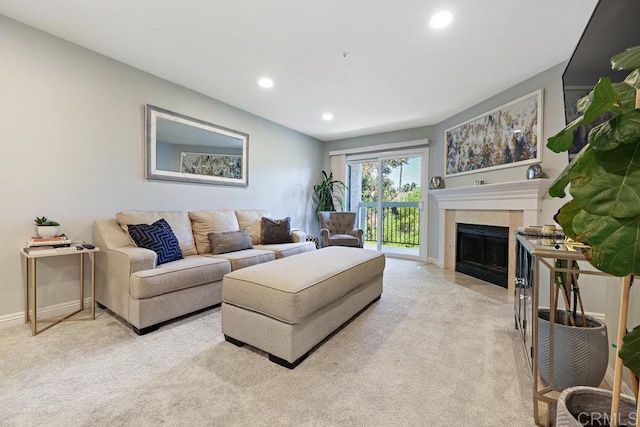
532 252
31 278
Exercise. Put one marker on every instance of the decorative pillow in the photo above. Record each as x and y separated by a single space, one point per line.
159 238
229 241
276 230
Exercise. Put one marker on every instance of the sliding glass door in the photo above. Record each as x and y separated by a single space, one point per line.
387 194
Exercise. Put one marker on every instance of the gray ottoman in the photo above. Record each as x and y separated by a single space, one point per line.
287 306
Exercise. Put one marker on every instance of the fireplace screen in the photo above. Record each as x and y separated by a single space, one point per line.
482 251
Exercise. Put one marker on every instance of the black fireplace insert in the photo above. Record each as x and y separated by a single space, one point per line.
482 251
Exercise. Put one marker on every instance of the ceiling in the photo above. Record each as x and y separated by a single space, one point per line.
400 73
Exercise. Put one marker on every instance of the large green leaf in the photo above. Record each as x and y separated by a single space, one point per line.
626 97
630 350
615 246
633 79
561 182
608 182
627 60
623 129
604 99
565 217
562 140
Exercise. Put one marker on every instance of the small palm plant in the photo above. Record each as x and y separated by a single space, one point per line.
43 221
329 192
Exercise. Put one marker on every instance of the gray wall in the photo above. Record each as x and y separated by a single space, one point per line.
73 139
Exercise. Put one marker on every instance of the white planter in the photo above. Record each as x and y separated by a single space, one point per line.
46 231
591 406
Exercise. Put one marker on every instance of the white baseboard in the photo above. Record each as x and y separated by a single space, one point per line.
61 309
436 261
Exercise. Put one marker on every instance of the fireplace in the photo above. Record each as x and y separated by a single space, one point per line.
482 251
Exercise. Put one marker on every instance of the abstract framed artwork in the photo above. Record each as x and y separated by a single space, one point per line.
207 164
504 137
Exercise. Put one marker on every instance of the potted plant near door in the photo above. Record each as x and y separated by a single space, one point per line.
45 227
604 182
329 192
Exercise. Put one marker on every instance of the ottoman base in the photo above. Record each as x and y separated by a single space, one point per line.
288 344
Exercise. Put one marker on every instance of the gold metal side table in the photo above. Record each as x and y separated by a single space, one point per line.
31 278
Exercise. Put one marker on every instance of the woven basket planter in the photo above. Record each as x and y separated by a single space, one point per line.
590 406
580 354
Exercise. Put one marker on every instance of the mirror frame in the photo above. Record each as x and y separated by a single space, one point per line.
152 172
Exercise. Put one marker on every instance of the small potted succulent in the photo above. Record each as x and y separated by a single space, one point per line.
46 228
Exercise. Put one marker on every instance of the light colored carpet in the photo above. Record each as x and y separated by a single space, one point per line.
429 353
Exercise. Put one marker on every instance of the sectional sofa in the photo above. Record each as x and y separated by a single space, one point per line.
131 284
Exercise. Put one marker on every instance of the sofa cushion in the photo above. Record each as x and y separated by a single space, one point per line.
211 221
276 231
229 241
159 238
283 250
175 275
251 219
246 258
178 220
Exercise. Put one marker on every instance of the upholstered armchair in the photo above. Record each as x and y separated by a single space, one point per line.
338 229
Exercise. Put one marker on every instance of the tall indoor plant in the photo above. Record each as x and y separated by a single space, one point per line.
604 179
329 192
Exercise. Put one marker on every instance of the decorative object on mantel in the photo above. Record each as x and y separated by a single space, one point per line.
478 182
604 212
504 137
436 183
534 171
45 227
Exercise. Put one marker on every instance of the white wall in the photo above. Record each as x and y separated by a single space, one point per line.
72 133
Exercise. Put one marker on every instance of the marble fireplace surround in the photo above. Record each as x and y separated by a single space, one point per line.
511 204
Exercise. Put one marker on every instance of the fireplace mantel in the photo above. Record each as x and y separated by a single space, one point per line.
519 195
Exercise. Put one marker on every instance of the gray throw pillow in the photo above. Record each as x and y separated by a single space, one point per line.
276 231
229 241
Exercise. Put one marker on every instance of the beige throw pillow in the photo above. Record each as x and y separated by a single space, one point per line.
211 221
177 220
251 219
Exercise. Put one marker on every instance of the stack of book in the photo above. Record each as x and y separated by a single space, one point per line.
48 244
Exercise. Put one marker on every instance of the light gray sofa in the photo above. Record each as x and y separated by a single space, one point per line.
131 284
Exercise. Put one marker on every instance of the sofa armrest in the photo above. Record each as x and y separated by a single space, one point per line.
139 258
298 236
117 260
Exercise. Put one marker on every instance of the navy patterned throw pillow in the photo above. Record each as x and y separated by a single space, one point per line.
159 238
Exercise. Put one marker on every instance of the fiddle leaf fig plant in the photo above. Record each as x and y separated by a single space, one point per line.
604 181
604 177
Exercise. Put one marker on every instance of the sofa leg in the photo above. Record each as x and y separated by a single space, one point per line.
286 364
233 341
146 330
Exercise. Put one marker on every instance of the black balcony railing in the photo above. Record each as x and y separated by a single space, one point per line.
400 223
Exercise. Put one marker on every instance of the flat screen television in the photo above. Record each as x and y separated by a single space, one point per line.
613 27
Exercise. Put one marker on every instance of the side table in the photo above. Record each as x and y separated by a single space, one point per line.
31 278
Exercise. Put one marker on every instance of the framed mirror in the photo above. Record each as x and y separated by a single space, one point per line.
181 148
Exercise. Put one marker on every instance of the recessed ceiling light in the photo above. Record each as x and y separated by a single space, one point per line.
327 116
265 82
441 19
